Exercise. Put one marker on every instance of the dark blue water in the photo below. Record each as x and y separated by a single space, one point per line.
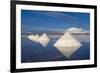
35 52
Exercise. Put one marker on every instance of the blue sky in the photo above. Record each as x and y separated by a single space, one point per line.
53 21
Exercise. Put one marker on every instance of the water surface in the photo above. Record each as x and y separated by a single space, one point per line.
35 52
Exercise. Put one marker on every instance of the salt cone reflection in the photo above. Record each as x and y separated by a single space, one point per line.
33 37
67 44
44 40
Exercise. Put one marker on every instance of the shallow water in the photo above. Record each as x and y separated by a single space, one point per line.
35 52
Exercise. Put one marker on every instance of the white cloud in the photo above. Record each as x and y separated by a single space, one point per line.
76 30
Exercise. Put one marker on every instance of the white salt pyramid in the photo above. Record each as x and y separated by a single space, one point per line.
67 44
34 37
30 37
44 40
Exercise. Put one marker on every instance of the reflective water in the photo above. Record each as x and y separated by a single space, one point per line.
35 52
